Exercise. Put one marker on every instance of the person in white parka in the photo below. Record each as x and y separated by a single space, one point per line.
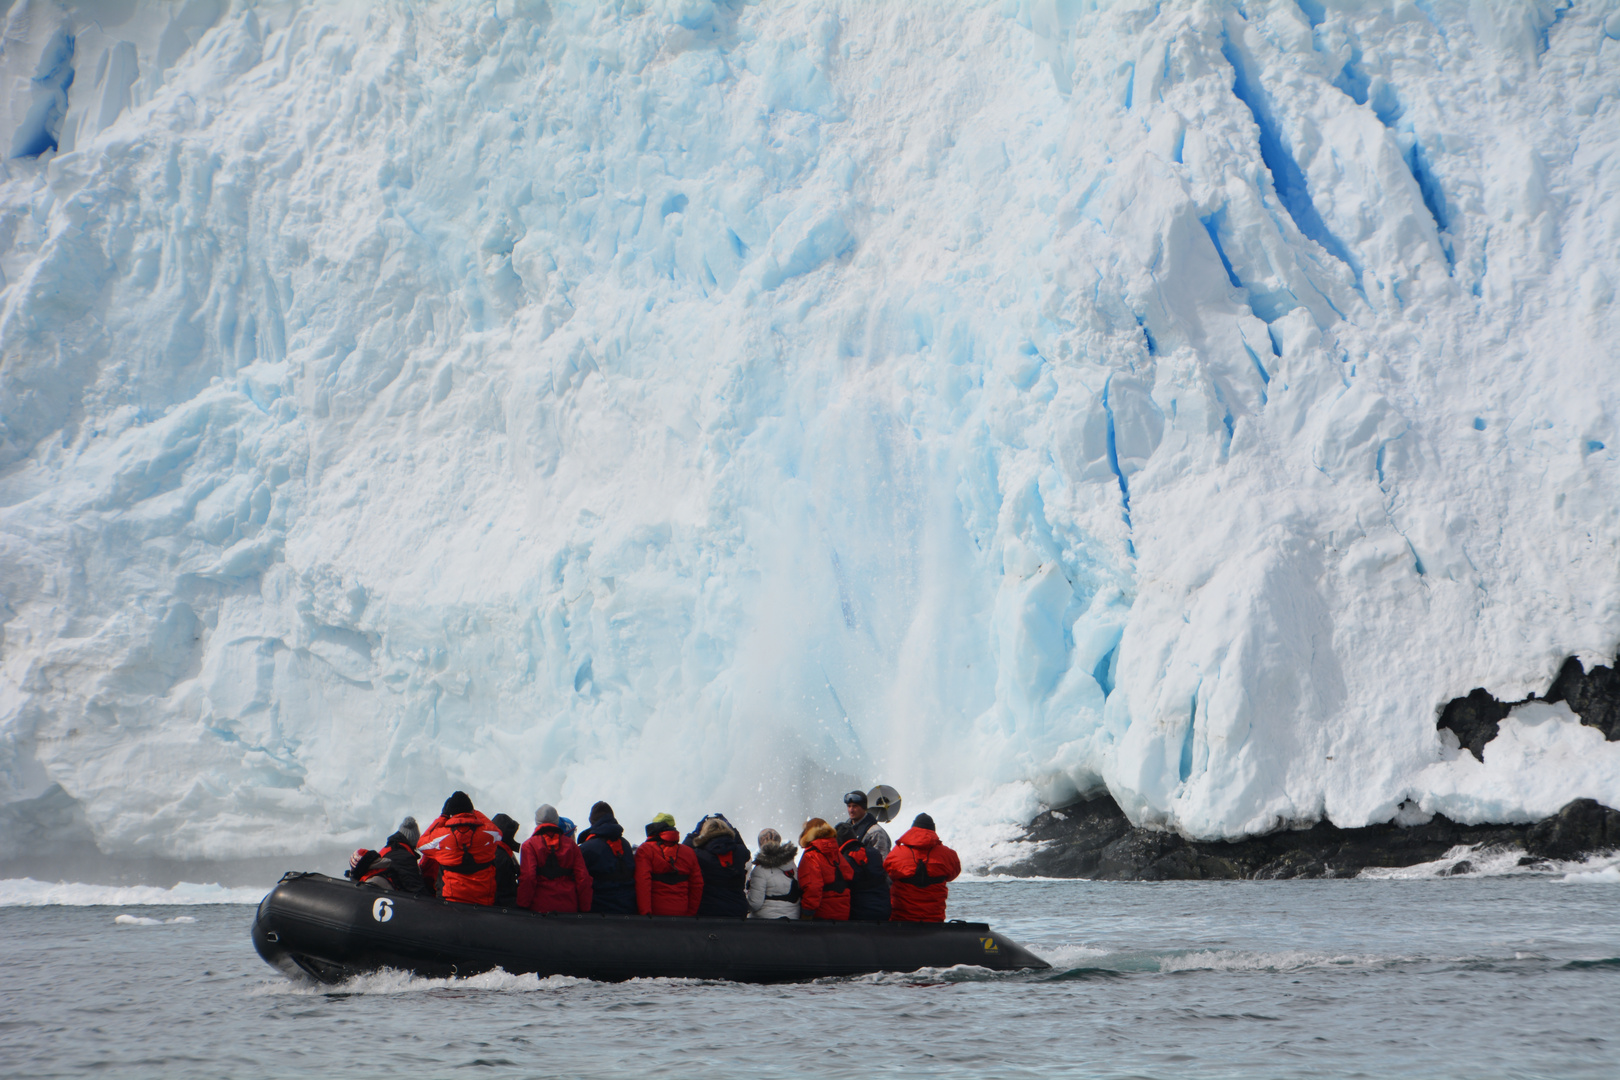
773 892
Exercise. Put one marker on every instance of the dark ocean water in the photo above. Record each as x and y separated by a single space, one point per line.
1508 977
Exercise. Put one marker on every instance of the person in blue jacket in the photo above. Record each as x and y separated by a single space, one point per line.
611 860
723 857
869 892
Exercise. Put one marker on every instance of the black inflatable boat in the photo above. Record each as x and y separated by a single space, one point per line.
332 929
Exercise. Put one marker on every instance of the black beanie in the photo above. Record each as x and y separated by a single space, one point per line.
600 812
457 803
923 821
508 826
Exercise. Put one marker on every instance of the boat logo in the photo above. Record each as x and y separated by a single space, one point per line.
990 944
382 909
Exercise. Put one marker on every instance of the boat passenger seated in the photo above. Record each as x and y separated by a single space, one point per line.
869 889
395 866
773 890
553 878
919 868
611 860
458 853
723 858
668 878
824 873
506 861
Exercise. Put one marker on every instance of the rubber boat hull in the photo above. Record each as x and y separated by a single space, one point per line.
332 929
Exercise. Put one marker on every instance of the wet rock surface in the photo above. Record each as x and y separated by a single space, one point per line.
1581 827
1593 695
1094 839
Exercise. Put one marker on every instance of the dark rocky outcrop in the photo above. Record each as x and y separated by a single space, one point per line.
1475 719
1094 839
1580 827
1593 695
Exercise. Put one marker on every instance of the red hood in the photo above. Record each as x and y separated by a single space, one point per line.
920 838
471 817
668 836
827 845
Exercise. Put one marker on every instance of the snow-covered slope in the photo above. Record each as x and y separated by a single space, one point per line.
707 405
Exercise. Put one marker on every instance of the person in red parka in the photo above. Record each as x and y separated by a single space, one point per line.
458 852
669 880
824 873
918 868
551 872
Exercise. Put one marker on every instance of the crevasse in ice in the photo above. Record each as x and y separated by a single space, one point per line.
717 405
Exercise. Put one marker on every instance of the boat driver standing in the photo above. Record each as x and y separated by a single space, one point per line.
866 825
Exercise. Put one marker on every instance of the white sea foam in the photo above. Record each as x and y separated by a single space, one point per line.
954 973
1476 860
26 892
1288 960
1063 957
1603 869
143 920
391 981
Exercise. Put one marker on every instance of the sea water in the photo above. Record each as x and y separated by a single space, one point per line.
1506 976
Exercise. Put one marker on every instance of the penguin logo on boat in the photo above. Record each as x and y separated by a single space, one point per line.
382 909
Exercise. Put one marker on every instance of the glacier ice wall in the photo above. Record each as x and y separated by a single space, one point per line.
716 405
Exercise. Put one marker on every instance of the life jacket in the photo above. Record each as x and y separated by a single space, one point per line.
825 877
551 867
669 880
624 862
459 852
396 864
869 889
506 874
553 876
670 875
919 868
839 883
394 867
793 893
920 877
610 859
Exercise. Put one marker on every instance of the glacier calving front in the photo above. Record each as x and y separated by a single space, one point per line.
715 406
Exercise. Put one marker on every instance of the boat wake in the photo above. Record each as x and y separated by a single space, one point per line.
391 981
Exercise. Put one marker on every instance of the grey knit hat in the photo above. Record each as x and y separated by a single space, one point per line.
769 836
410 830
546 815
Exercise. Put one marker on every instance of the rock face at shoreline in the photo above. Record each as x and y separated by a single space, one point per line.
1594 696
1093 839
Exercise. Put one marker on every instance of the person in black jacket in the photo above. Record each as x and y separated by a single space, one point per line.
611 860
506 861
723 857
395 866
869 892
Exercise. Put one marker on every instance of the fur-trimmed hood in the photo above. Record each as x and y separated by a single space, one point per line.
773 855
712 827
